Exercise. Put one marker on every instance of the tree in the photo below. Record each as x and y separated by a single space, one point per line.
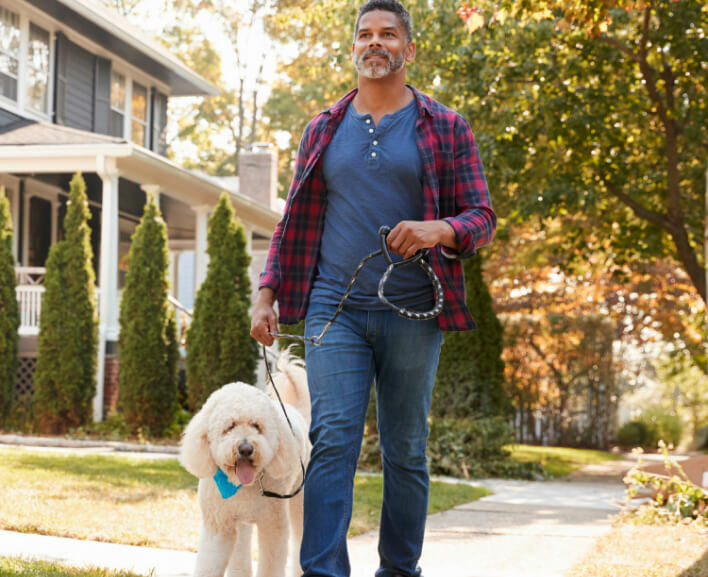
594 109
220 349
148 348
470 378
67 347
9 311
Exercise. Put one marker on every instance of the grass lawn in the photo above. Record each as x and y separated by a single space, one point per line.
14 567
647 551
559 461
117 499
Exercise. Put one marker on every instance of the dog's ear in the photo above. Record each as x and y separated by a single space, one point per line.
194 453
287 458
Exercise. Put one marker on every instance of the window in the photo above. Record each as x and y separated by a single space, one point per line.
38 69
138 124
9 53
117 104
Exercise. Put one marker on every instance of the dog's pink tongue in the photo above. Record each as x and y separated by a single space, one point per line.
245 471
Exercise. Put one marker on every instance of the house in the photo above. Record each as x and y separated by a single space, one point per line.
83 90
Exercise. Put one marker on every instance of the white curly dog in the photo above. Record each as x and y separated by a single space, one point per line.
240 444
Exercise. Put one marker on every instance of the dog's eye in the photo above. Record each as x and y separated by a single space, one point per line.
229 428
256 426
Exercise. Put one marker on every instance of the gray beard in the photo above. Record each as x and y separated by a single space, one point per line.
377 69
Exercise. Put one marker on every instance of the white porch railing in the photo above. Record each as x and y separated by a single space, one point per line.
29 292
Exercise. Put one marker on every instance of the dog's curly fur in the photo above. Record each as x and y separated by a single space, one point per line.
235 417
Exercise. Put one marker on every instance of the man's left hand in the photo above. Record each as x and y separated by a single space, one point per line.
410 236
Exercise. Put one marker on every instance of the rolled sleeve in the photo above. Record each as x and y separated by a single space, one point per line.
475 222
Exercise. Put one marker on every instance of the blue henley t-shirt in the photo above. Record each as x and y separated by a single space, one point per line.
374 177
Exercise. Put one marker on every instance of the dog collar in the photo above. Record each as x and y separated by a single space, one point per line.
226 487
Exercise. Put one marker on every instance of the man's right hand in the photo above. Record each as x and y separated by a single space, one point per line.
263 319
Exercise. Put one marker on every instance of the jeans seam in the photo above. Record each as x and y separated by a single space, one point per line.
350 496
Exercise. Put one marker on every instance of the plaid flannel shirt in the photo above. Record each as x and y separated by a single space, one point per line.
455 190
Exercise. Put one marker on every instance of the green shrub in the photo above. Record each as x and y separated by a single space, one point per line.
700 442
470 377
654 425
9 312
67 347
463 448
220 349
148 347
632 434
662 426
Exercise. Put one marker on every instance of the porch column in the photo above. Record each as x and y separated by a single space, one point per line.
15 215
108 282
25 228
201 258
55 220
248 230
174 273
152 190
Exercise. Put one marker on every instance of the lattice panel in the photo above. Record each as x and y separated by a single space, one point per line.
24 386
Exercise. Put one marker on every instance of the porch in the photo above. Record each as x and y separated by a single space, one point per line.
30 290
36 165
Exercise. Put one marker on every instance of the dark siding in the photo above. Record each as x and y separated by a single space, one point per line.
80 71
60 78
8 119
75 85
102 90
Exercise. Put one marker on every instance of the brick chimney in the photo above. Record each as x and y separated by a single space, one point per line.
258 175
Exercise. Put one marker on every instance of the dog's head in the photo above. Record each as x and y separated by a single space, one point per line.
240 431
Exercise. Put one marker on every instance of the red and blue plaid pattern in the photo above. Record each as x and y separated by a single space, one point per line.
455 190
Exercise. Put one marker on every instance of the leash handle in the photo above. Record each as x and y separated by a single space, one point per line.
417 257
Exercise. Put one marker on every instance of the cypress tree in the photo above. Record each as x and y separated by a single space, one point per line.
65 377
9 311
147 347
219 346
470 378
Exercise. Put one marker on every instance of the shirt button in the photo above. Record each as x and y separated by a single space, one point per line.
368 121
371 130
373 154
376 142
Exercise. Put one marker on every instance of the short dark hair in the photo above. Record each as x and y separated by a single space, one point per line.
389 6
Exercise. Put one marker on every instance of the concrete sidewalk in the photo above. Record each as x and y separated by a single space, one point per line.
525 529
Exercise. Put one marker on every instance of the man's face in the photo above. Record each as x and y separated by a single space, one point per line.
381 46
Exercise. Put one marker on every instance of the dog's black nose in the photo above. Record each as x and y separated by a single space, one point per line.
245 449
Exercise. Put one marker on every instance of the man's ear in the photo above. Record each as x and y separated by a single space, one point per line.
410 52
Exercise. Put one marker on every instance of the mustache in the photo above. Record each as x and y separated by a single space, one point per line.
376 52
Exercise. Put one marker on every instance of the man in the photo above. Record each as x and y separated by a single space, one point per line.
383 154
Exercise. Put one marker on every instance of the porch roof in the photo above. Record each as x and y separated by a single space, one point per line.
30 147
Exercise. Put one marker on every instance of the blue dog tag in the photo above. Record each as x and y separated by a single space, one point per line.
226 487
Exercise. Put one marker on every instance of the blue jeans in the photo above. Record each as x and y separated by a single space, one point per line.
401 357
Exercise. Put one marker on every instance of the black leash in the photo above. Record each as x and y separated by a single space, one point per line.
406 313
302 465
